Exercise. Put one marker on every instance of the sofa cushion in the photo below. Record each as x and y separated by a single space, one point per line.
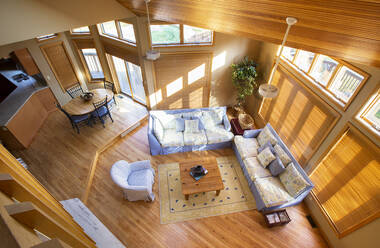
265 157
247 147
193 139
192 114
140 177
158 128
266 135
272 192
168 121
216 115
293 181
285 159
268 144
172 138
192 126
218 134
180 124
254 168
276 167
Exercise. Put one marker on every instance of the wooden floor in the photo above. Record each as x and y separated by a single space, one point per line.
60 160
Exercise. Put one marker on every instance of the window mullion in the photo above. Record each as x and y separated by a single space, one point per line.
333 76
118 29
181 34
129 78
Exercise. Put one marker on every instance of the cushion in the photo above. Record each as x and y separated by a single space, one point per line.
216 115
201 126
271 191
285 159
268 144
266 135
158 129
254 168
192 126
168 121
191 139
207 121
180 124
247 147
276 167
218 134
172 138
293 181
192 114
265 157
140 177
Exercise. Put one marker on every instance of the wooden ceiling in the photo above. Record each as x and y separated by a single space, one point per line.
348 29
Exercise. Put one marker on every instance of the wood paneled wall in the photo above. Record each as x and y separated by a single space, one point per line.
342 28
347 186
301 118
183 80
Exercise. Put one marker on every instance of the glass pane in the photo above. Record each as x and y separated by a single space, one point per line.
81 30
121 73
323 69
109 28
288 53
304 60
46 37
345 83
127 32
93 63
373 114
136 80
196 35
165 34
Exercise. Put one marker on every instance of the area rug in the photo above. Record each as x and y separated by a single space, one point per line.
235 197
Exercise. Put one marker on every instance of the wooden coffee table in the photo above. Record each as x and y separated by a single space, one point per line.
210 182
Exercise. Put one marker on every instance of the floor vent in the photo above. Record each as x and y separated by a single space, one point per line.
311 221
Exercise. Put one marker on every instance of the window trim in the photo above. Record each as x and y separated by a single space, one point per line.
81 34
324 89
55 36
119 36
181 36
84 62
364 122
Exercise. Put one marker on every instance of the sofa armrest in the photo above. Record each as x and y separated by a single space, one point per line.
251 133
226 123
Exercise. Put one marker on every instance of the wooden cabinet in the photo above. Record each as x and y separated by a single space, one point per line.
24 125
26 60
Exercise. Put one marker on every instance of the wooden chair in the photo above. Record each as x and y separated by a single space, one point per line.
75 90
76 120
102 110
110 86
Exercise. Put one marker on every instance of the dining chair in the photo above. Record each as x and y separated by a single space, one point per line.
75 90
101 110
110 86
76 120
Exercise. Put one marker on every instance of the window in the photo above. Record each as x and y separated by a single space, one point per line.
93 63
46 37
81 30
338 79
120 30
178 34
370 113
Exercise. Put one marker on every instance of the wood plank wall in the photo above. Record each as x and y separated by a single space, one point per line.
301 118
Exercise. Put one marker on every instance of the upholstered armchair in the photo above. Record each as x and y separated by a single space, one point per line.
136 179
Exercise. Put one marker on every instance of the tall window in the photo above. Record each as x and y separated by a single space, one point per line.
370 113
93 63
338 79
120 30
81 30
178 34
130 79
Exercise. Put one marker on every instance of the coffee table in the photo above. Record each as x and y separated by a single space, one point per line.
210 182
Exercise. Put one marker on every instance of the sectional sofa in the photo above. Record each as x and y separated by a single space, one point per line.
288 187
167 134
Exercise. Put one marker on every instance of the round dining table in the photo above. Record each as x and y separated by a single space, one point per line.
78 106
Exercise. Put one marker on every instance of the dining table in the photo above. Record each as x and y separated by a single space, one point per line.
78 106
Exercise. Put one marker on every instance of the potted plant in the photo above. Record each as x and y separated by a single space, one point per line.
244 79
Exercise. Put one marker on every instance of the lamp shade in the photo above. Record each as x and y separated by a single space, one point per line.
268 90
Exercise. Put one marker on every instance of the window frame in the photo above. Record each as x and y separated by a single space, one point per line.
84 62
325 89
119 36
360 116
53 37
181 37
81 34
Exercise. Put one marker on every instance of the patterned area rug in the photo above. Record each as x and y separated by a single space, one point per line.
235 197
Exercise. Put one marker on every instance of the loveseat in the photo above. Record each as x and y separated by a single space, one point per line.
273 174
184 130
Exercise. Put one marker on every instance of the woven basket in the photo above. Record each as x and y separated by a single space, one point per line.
246 121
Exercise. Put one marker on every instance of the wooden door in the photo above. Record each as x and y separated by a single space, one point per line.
60 63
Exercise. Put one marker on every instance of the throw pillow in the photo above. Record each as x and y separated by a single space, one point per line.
207 122
285 159
293 181
192 126
265 157
268 144
201 126
276 167
216 115
158 129
180 125
192 114
266 135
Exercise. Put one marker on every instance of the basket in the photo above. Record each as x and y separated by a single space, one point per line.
246 121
